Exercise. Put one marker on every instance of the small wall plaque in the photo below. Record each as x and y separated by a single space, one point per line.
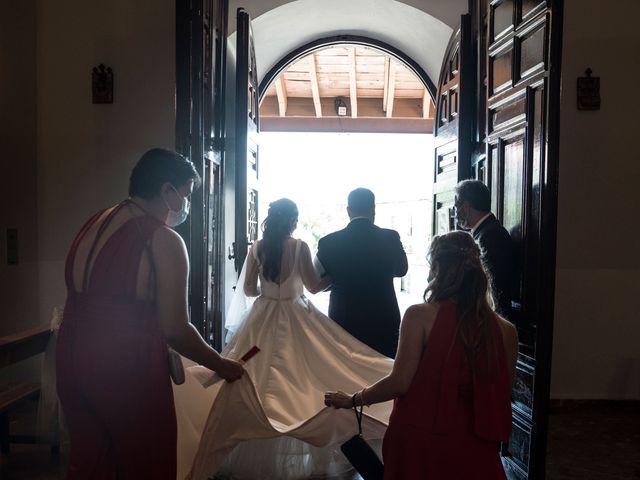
588 89
102 84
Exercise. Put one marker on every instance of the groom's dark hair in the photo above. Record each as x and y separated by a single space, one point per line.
361 200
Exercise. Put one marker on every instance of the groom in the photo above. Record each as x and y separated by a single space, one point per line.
362 260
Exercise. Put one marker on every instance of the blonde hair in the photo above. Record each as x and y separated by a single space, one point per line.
458 275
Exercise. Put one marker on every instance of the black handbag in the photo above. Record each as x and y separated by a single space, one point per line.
360 454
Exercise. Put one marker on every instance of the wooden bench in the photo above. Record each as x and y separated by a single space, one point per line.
15 348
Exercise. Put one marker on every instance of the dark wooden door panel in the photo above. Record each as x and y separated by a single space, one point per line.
246 151
530 50
520 54
456 111
201 25
214 78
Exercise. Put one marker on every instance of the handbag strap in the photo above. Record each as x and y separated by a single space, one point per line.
358 417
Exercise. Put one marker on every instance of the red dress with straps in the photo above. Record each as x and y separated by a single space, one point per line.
450 422
112 371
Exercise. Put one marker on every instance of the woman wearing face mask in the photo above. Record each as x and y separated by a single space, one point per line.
126 276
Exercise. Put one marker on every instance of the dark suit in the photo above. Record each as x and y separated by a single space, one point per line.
499 257
362 260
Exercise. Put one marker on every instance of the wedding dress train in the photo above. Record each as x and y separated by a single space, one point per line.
272 423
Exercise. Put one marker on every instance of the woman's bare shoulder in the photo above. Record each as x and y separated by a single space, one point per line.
303 245
508 329
167 237
256 245
419 320
505 324
291 245
424 312
167 246
424 308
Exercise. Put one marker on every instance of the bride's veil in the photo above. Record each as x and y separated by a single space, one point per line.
239 306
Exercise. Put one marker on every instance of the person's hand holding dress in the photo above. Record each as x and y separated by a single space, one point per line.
338 399
230 370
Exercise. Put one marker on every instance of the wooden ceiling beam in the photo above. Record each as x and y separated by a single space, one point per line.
315 91
426 105
281 93
391 87
353 86
346 124
385 88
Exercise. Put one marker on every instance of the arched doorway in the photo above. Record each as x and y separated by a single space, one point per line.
341 113
347 40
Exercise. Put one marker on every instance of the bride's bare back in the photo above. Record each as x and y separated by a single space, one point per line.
309 277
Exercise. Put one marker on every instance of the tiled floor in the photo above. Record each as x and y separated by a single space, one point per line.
598 441
586 442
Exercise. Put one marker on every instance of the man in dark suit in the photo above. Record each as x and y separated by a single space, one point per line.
473 212
362 260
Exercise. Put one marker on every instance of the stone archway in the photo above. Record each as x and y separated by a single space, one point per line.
279 31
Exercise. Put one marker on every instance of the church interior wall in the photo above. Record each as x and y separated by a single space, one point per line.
85 150
18 167
597 325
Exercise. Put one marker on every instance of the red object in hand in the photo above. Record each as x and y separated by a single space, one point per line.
250 354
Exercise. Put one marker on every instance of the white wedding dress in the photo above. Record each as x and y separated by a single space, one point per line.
272 423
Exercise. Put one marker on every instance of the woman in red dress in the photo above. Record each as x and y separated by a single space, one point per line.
452 378
126 276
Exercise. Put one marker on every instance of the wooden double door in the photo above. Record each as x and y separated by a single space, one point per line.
496 120
497 110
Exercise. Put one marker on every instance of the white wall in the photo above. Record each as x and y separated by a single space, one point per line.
18 177
283 29
18 193
86 151
596 350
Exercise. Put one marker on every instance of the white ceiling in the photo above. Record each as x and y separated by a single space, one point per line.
281 27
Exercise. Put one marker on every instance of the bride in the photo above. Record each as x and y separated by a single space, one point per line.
272 423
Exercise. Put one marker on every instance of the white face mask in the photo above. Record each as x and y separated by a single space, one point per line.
175 218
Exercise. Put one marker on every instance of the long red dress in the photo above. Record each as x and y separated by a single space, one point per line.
112 371
450 422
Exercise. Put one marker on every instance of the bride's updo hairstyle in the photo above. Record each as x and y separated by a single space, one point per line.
457 274
279 224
